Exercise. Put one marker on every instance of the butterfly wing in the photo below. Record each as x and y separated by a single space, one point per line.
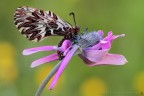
37 24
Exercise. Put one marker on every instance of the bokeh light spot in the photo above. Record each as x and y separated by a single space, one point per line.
8 67
93 87
139 83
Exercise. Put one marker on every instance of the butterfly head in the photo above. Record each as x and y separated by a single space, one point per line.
76 29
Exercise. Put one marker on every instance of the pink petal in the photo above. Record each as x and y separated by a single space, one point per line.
67 50
94 55
117 36
46 59
105 45
109 59
95 47
101 33
114 59
38 49
106 42
64 46
111 37
63 65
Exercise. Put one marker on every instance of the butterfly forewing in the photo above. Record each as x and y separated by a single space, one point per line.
37 24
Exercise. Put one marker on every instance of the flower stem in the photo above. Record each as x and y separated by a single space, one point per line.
47 79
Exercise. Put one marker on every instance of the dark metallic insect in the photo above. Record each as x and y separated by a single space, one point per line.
37 24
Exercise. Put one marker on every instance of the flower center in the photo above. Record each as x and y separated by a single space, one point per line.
88 39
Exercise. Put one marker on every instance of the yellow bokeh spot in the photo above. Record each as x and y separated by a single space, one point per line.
8 68
6 50
93 87
43 72
139 82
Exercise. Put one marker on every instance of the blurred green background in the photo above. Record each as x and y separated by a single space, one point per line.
120 16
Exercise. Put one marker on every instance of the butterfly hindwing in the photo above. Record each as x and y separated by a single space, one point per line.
37 24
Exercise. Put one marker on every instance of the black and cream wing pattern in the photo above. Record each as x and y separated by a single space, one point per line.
37 24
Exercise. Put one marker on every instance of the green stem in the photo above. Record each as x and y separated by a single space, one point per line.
47 79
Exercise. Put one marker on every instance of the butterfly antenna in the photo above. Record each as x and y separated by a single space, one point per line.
73 17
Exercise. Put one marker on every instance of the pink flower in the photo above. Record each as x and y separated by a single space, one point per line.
93 49
98 54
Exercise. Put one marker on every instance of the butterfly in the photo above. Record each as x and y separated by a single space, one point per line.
36 24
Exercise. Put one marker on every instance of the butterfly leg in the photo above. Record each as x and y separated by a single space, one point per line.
85 31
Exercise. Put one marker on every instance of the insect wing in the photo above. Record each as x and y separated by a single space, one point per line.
37 24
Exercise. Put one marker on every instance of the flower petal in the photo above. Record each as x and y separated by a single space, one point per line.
114 59
101 33
67 50
94 55
111 37
63 65
38 49
107 38
106 42
117 36
109 59
64 46
105 45
46 59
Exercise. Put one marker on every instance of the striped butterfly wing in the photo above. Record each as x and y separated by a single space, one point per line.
37 24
